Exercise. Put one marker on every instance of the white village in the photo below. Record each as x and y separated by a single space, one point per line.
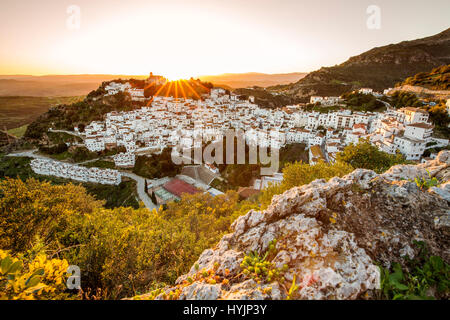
169 122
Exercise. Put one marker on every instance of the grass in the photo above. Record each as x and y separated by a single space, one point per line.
18 132
16 112
99 164
62 137
423 278
293 152
61 156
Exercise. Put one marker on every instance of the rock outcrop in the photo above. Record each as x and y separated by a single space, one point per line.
331 235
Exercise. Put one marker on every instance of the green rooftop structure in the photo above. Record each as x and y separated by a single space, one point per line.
164 195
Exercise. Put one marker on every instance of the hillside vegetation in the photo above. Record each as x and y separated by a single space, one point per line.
436 79
264 98
67 116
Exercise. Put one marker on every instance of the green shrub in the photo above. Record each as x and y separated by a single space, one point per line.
426 183
414 282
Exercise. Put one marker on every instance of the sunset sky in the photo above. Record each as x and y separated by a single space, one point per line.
190 38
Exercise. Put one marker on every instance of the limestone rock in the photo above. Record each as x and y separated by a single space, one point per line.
331 234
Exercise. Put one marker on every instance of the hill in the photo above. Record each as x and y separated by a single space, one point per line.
265 98
68 114
378 68
322 239
244 80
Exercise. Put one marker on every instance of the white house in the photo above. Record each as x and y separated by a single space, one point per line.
125 160
74 172
366 90
412 149
217 92
419 130
413 115
316 99
95 144
266 181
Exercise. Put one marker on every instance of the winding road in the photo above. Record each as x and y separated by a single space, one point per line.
140 187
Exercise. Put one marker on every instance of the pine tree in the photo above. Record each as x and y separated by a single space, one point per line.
153 196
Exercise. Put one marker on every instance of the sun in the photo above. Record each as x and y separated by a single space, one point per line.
177 75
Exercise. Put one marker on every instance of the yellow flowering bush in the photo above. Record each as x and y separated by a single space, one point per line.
41 278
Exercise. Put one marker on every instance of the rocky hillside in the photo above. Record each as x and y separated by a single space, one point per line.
326 238
379 68
434 85
423 93
436 79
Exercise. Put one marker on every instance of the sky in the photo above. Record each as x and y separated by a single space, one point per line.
184 38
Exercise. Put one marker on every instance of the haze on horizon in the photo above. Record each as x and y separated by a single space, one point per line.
189 38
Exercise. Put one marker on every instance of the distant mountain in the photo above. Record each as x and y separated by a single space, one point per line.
378 68
244 80
71 78
45 88
54 85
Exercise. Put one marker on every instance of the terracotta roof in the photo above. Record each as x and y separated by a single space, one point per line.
359 125
178 187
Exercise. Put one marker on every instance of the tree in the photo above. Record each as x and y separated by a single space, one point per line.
402 99
299 173
153 197
439 115
81 127
366 156
30 209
